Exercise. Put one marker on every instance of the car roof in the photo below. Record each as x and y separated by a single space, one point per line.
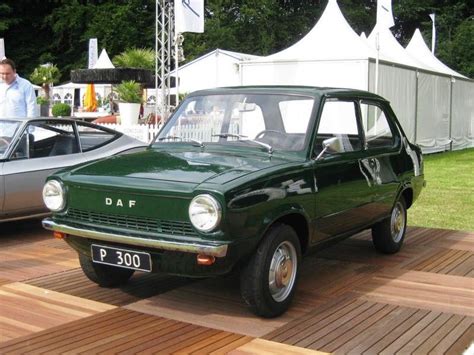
289 89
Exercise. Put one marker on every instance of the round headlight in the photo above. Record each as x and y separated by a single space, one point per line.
54 196
204 213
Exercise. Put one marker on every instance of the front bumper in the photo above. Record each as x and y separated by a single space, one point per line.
217 250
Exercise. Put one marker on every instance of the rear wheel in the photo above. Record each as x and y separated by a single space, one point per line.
268 281
104 275
389 234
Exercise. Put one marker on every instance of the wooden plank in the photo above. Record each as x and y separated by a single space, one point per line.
397 332
458 338
408 335
199 346
140 286
212 303
34 307
322 315
376 332
266 347
128 336
430 343
445 293
464 343
325 327
355 331
425 336
94 335
330 337
38 339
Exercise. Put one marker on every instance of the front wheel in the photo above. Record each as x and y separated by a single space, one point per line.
104 275
268 281
389 234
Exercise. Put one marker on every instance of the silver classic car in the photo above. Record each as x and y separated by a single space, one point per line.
33 148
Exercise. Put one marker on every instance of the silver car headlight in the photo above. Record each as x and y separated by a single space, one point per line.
54 196
205 213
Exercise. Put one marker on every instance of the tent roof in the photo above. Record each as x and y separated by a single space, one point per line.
216 52
419 50
391 48
332 38
104 61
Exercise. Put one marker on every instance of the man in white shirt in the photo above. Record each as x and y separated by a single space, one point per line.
17 96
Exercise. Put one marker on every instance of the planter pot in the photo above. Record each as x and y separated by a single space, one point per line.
44 110
129 113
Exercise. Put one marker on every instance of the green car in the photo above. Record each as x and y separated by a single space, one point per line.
246 179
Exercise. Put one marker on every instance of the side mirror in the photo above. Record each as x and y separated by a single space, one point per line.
331 144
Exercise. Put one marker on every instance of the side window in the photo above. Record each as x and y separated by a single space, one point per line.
92 137
378 132
47 139
339 120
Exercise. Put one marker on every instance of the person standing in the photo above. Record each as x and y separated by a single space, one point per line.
17 95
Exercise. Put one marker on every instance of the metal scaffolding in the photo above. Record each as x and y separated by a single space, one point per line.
164 34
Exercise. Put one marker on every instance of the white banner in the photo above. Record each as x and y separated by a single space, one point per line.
93 53
2 48
189 16
384 13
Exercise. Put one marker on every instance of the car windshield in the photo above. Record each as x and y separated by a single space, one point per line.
270 121
7 131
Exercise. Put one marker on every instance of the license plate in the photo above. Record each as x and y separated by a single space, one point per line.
124 258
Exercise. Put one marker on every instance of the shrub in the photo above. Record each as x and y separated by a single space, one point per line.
61 109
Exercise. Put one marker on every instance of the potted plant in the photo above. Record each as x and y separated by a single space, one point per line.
45 75
43 104
130 99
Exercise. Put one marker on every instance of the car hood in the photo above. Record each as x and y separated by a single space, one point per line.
186 167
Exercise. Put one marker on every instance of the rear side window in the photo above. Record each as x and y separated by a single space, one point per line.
339 119
378 132
93 137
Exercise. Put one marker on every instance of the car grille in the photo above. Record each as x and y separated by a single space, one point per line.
145 224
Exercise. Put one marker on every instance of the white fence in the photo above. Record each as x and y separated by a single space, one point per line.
142 132
202 131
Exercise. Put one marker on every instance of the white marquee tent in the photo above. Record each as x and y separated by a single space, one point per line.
433 111
214 69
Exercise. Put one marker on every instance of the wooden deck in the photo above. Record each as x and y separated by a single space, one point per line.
350 300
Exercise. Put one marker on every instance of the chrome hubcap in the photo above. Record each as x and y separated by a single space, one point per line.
282 273
397 222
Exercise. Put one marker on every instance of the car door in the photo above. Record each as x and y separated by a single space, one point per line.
382 144
43 147
343 196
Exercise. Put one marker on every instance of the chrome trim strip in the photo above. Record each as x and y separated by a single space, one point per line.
217 251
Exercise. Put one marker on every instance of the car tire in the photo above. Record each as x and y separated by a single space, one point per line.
389 234
104 275
268 280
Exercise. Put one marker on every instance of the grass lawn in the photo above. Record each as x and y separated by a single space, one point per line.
447 201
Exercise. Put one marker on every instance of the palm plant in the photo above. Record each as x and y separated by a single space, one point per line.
129 91
143 58
45 75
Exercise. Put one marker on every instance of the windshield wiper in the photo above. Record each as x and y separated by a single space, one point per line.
182 139
233 135
227 135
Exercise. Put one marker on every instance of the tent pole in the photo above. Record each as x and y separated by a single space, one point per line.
416 107
377 45
451 114
176 61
